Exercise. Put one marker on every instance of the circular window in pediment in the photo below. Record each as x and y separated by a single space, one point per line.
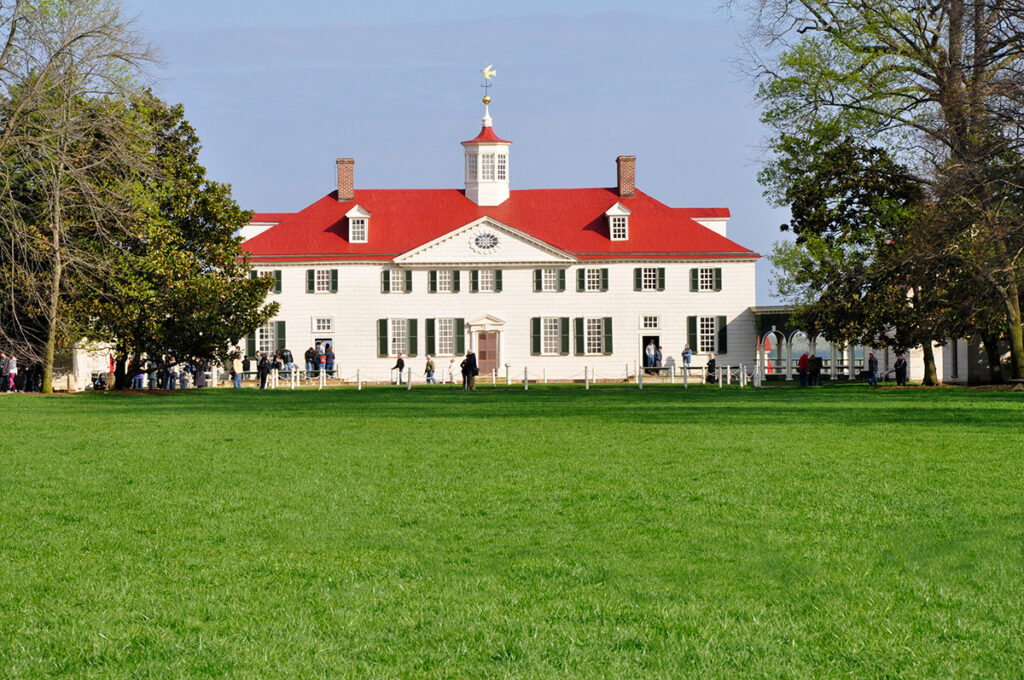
485 242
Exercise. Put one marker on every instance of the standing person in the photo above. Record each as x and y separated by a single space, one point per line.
184 375
263 368
687 358
451 370
400 365
711 367
200 368
288 362
649 353
236 369
310 358
872 370
329 361
151 374
140 376
658 357
901 370
12 372
814 370
802 365
247 364
3 371
428 370
469 371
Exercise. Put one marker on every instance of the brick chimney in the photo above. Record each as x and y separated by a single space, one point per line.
346 181
626 166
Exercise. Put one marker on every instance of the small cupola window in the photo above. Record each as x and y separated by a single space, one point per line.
618 222
358 225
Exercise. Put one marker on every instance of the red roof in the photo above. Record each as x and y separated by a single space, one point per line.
572 220
270 217
487 135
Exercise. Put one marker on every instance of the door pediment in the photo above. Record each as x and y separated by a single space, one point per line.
484 242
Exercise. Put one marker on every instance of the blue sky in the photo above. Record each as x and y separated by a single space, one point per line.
279 90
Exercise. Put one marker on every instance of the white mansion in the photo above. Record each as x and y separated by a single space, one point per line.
549 279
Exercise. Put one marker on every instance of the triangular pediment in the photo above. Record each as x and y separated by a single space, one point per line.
486 242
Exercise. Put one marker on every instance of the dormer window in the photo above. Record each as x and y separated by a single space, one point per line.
358 225
618 222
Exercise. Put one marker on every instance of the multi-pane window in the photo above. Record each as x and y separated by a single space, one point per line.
266 338
650 322
397 281
444 281
551 335
502 166
487 167
706 278
594 331
486 281
593 279
323 281
445 336
649 278
620 228
323 324
357 229
549 280
471 167
706 333
399 336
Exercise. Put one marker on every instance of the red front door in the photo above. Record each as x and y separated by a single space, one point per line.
487 352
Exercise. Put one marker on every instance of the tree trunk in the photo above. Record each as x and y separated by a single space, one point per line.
930 374
995 366
1014 331
121 370
51 312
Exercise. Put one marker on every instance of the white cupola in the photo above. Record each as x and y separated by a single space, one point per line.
487 164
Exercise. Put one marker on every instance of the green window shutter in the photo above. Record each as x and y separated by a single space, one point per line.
718 278
250 344
280 335
694 285
385 281
431 346
604 279
580 346
253 274
277 280
581 280
638 278
722 327
474 281
535 335
538 280
432 281
691 333
607 335
334 280
460 336
382 337
408 280
561 280
563 327
497 280
455 281
661 278
413 337
310 280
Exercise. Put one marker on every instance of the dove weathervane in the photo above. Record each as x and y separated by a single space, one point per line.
489 74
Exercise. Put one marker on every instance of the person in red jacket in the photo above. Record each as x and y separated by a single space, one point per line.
801 366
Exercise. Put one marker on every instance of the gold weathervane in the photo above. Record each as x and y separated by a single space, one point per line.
489 74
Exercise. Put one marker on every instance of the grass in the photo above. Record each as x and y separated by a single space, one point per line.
835 532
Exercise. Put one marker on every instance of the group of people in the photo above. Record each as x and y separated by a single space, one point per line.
169 373
809 368
262 364
17 378
469 368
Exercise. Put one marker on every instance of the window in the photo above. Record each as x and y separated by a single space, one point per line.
357 229
502 167
595 336
650 278
471 167
486 281
266 338
594 280
706 333
487 167
446 336
444 281
323 324
706 278
551 335
650 322
399 336
620 227
550 280
272 274
397 281
323 281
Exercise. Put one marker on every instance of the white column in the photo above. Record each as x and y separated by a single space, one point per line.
789 359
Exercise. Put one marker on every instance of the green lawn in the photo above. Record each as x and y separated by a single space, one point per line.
784 533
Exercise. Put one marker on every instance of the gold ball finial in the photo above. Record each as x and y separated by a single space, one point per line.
487 99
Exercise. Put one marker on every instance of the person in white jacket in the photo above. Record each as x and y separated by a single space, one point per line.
12 371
